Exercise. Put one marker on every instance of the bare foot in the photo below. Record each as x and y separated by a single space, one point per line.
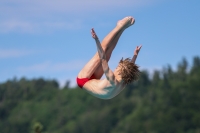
125 22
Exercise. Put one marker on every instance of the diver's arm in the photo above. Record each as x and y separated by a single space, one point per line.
98 44
137 50
108 72
134 59
101 52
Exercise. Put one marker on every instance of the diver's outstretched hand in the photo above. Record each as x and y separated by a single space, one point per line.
137 50
94 35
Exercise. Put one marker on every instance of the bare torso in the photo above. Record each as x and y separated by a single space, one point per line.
103 89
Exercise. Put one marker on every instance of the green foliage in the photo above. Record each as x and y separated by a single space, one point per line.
37 128
166 103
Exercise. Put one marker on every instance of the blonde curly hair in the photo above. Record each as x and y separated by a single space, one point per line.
129 71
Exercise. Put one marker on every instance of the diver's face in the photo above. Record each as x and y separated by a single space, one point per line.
117 73
118 68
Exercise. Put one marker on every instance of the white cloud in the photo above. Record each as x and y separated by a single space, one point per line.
34 27
50 67
67 6
74 65
61 71
13 53
15 25
35 68
44 15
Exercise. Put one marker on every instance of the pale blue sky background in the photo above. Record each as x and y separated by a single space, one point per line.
51 38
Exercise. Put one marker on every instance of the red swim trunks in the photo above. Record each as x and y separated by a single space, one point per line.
82 81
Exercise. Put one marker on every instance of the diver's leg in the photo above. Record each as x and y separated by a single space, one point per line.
89 69
93 67
110 41
99 70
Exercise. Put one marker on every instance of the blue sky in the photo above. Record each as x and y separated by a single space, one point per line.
51 39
